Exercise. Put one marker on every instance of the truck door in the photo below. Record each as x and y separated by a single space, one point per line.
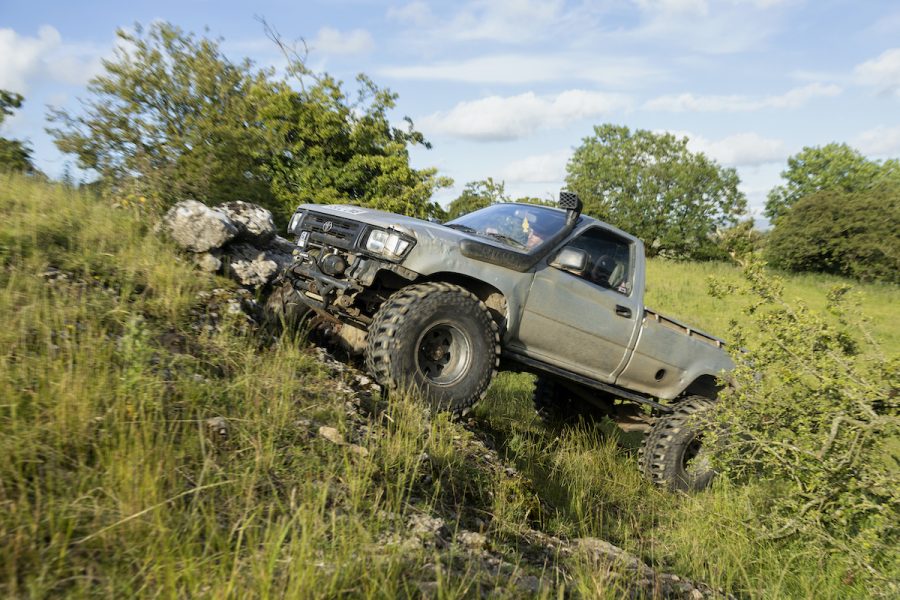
585 321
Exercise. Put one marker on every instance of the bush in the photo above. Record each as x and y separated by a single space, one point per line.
813 416
851 234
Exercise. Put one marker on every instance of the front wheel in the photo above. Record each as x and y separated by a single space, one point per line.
438 339
673 454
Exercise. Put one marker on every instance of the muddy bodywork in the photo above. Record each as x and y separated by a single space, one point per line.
549 320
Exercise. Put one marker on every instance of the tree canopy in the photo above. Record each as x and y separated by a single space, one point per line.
836 167
476 195
651 185
854 234
173 117
15 155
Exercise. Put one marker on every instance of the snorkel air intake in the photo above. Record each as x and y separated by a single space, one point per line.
571 203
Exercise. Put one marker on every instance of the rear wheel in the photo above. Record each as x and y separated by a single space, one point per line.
553 402
673 454
438 339
558 403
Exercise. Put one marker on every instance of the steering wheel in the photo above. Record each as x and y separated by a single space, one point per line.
603 270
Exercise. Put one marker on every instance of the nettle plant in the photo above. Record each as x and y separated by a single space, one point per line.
813 417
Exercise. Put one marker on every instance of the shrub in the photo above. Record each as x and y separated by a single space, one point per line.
813 415
851 234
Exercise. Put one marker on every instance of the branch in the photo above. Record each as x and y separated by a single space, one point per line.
296 59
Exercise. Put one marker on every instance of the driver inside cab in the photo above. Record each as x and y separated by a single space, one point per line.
538 230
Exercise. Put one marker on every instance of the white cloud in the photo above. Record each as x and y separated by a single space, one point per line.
525 68
700 7
510 21
25 60
882 72
706 27
416 13
740 149
22 57
794 98
498 118
539 168
332 41
879 141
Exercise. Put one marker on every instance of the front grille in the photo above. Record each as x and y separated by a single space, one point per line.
341 233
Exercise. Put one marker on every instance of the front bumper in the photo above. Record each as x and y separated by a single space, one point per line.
318 289
346 296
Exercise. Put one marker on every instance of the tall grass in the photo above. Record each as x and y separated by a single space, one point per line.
112 484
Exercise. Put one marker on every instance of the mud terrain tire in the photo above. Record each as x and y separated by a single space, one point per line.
554 403
438 339
671 453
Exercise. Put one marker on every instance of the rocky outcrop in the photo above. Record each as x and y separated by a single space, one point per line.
254 223
237 239
197 227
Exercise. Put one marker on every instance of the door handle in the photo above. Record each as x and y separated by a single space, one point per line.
623 311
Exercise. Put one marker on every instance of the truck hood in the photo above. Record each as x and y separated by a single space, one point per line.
420 229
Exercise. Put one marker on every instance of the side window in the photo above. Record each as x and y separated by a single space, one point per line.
609 259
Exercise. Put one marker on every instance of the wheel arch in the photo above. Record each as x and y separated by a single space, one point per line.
705 385
493 298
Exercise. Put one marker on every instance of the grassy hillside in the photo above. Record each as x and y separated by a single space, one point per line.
680 289
156 442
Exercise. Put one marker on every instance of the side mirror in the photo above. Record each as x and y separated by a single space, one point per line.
571 259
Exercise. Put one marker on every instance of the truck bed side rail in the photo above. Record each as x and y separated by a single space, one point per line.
683 328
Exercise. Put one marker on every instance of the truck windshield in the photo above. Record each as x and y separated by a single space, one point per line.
519 226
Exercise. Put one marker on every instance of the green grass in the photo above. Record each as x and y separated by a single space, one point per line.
112 485
680 289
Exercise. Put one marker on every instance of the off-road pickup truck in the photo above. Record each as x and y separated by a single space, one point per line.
439 308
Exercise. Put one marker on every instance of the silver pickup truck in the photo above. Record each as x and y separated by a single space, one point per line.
439 308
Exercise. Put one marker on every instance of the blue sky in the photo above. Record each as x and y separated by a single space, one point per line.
508 88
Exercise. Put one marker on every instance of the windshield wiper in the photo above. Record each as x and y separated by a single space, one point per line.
460 227
505 239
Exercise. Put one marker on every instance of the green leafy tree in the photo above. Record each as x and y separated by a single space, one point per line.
477 195
834 166
15 155
651 185
740 240
855 234
173 118
334 150
9 101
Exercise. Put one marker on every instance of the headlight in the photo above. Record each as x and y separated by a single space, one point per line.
296 219
387 244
